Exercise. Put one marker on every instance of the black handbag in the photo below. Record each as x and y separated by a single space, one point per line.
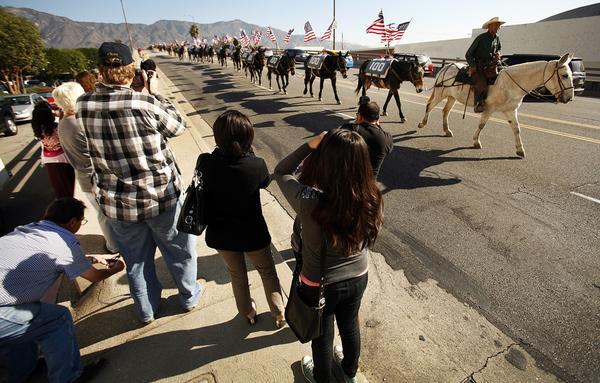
306 321
192 217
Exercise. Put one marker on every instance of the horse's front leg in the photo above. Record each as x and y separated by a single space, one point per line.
260 77
513 121
321 82
484 118
285 81
269 74
447 109
333 85
385 104
399 105
278 86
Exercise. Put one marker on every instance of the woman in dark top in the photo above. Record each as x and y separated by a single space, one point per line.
233 177
337 201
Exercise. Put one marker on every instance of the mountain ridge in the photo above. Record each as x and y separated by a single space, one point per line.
63 32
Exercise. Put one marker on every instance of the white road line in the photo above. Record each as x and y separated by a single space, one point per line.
339 113
586 197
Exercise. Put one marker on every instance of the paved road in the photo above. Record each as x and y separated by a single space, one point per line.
25 196
516 238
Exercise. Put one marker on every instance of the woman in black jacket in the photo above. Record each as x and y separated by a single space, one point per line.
233 177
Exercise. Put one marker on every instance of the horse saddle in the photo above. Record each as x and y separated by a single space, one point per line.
273 61
464 77
379 67
250 58
316 62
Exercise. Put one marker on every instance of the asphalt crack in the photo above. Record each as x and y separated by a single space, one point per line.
471 377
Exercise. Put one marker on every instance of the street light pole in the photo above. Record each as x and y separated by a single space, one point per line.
127 27
335 26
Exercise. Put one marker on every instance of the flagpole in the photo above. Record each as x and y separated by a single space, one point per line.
333 46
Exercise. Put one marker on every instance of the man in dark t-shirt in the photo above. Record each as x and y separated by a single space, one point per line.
378 141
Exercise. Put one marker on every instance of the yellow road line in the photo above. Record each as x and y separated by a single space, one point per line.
578 124
524 126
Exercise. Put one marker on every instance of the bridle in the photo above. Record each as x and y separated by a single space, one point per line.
556 95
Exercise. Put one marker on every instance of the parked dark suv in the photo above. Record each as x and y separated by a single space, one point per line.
576 65
7 117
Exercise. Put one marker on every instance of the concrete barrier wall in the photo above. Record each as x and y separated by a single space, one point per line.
578 36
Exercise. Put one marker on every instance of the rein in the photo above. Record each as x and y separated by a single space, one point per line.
537 95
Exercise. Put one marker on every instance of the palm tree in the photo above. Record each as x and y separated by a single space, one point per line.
194 32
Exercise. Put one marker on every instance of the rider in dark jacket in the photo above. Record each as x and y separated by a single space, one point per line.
483 56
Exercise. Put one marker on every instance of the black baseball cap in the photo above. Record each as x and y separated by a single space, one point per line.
114 54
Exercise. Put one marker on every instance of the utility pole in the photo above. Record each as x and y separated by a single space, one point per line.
334 24
127 27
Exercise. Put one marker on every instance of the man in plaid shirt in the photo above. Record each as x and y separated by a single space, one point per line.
136 179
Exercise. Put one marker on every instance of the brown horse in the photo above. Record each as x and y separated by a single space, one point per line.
283 67
222 56
397 72
236 57
256 65
331 64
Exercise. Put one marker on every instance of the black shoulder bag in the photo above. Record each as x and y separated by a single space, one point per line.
192 217
306 321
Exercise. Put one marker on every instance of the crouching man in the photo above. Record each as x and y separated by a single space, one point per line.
33 258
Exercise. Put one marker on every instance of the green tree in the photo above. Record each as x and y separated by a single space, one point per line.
91 56
22 50
61 61
194 32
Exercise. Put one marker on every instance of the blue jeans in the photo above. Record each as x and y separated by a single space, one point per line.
342 301
137 242
24 327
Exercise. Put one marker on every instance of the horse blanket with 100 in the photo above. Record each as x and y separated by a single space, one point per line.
379 67
273 61
316 62
244 55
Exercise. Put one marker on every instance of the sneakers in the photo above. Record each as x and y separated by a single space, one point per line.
200 294
338 356
307 369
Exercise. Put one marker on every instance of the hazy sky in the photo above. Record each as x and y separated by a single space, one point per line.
431 20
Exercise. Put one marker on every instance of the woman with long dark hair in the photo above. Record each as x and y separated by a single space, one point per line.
232 177
60 171
337 201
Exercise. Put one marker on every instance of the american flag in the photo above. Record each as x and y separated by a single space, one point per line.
288 35
271 35
378 27
256 35
327 34
394 33
244 38
309 34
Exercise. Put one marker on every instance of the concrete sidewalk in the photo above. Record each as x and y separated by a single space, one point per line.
411 333
212 343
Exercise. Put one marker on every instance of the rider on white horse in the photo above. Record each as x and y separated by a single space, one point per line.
483 57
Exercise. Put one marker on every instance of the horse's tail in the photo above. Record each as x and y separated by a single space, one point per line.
361 77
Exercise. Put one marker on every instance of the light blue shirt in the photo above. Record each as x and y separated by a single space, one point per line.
33 256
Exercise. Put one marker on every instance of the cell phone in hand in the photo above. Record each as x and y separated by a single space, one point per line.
111 261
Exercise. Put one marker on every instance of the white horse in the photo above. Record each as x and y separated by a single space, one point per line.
506 95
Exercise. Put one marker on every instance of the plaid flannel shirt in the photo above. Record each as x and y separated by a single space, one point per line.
135 174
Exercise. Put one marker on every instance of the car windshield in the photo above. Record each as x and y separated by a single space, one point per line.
577 66
422 59
22 100
46 95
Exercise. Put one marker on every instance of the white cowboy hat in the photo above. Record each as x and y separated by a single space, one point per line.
492 21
